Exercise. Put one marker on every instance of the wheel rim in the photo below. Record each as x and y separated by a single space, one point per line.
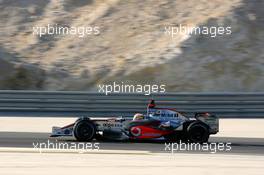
198 134
85 131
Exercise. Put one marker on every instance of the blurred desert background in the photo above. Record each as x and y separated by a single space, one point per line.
132 46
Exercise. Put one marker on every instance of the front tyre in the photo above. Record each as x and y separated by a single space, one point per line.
198 132
84 130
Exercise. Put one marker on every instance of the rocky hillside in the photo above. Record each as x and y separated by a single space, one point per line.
132 46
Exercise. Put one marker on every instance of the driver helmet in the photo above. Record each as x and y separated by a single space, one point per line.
138 116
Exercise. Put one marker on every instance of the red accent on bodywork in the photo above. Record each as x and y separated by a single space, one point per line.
149 133
135 131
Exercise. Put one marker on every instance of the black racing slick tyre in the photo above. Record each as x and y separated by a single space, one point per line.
198 132
84 130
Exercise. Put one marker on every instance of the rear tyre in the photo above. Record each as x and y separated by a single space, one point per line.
84 130
198 132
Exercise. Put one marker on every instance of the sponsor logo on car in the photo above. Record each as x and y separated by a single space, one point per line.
112 125
135 131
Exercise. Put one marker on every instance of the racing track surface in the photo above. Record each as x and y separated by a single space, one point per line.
245 135
252 146
17 155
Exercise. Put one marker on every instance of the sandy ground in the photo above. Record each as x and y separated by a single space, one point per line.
252 128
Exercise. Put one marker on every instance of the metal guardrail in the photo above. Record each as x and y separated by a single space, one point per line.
75 104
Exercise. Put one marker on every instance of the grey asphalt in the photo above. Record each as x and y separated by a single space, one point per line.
253 146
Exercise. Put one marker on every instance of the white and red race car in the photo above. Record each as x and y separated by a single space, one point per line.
157 123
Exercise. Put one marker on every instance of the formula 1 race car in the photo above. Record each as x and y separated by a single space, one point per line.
157 123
